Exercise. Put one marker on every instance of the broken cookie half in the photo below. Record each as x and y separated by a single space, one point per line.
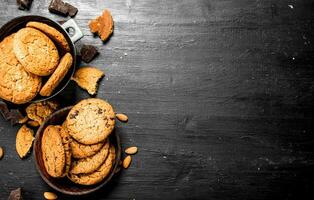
87 78
24 141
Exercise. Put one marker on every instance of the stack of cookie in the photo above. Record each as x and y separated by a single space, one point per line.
80 148
28 57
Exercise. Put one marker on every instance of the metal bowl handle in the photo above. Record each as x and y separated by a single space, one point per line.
78 34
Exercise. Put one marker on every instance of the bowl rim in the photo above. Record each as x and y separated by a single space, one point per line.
59 28
98 186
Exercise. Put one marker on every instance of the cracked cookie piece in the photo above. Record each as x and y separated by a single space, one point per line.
91 121
87 78
41 110
66 140
53 153
97 176
102 25
53 33
24 141
90 164
35 51
16 85
57 76
82 151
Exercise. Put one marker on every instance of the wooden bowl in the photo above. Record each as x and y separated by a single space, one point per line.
64 185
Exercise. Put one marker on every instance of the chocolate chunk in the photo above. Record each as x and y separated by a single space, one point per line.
71 10
73 116
99 111
24 4
16 194
88 53
62 8
58 7
4 110
15 116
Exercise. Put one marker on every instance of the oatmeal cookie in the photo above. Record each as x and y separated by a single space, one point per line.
66 141
35 51
97 176
90 164
53 33
53 153
82 151
16 85
57 76
91 121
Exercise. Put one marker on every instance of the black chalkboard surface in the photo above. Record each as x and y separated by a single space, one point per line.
219 96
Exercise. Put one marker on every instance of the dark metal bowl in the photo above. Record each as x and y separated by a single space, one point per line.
64 185
17 23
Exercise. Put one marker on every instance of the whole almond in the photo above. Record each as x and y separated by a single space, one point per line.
131 150
1 153
122 117
50 195
126 162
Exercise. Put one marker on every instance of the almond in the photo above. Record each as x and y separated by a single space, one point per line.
50 195
126 162
122 117
131 150
1 153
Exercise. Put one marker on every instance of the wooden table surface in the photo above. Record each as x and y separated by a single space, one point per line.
219 95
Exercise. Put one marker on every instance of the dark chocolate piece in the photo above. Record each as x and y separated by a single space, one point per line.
24 4
4 110
71 10
88 53
15 116
58 7
16 194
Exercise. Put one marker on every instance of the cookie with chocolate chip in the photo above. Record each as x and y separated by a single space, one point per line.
53 153
97 176
91 121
